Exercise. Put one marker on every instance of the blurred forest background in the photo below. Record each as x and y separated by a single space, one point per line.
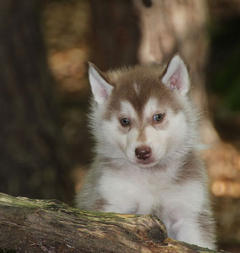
45 45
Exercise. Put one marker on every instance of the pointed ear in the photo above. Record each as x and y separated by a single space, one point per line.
176 76
101 89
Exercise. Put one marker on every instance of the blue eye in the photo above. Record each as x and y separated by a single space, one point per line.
125 122
158 117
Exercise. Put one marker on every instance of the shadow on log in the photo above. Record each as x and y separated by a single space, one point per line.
31 225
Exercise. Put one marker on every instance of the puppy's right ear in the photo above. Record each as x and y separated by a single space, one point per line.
101 89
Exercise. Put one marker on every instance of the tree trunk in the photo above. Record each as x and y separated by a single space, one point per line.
32 161
115 33
49 226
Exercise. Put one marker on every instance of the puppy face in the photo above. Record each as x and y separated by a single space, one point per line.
145 136
141 113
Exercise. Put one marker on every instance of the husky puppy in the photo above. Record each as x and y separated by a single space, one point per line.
146 158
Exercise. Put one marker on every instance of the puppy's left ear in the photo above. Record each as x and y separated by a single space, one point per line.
176 76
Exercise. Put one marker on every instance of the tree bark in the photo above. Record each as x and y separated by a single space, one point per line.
32 160
49 226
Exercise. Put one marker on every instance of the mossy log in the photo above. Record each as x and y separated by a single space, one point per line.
31 225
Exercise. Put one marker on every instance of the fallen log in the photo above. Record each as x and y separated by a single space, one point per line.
32 225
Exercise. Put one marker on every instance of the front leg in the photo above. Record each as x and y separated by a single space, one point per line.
195 229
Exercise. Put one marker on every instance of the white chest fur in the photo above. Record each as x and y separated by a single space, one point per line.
141 191
144 192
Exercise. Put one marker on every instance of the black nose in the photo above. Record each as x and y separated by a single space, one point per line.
143 152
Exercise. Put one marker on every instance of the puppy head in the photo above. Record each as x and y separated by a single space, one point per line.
142 114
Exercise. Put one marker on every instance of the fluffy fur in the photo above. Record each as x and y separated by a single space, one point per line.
167 179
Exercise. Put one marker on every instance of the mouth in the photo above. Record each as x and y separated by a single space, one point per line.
146 163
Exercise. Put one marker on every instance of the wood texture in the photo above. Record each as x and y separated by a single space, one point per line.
50 226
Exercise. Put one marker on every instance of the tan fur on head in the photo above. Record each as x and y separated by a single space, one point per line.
147 79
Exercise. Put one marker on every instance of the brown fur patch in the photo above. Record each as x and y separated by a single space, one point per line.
207 225
99 204
148 81
191 169
142 135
